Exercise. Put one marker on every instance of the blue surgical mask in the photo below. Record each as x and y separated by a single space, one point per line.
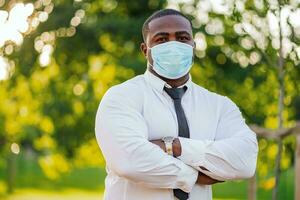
172 59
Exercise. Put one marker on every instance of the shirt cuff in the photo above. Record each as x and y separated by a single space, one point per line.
193 151
187 179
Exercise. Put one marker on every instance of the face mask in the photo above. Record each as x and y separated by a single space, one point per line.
173 59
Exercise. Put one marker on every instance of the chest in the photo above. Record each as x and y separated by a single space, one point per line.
160 115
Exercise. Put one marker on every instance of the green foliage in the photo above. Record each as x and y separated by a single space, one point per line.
51 106
238 56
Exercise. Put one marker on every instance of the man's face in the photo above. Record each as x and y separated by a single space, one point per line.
165 29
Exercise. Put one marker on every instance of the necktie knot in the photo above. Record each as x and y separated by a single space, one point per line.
175 93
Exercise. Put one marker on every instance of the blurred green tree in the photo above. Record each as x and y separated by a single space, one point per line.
262 37
56 70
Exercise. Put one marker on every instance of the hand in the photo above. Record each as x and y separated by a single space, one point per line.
176 146
159 143
206 180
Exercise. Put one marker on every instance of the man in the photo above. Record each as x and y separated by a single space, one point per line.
164 137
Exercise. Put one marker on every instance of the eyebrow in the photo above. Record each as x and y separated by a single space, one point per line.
176 33
161 34
182 32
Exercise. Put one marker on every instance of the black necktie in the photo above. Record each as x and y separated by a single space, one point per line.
183 128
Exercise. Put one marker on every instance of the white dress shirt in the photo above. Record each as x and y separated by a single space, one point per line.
138 110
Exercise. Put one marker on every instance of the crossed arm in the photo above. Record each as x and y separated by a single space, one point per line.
121 132
231 155
202 179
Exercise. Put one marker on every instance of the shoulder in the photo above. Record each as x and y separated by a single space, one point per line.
127 89
217 100
129 92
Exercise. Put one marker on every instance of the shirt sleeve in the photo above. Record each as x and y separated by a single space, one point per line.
233 153
121 132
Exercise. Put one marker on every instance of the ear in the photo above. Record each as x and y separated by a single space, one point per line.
143 48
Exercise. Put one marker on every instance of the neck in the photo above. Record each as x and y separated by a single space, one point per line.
174 83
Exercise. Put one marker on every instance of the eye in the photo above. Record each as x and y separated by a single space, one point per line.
183 38
161 39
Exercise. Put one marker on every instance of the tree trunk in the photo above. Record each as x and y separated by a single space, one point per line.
280 107
252 188
11 171
297 169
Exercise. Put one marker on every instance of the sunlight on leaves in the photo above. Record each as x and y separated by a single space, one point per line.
54 165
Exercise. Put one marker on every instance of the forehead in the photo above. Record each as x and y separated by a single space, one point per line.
169 24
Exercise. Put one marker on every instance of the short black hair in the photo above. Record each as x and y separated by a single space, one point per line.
158 14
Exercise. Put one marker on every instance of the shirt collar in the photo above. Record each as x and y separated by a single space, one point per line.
159 84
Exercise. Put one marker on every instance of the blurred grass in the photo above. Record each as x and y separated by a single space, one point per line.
238 189
67 194
88 184
30 175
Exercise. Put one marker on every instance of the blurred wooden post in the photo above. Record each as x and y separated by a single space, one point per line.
252 188
11 171
297 168
277 169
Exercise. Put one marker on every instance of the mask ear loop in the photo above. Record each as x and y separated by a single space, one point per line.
148 63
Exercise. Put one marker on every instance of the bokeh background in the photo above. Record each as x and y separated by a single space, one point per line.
58 57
